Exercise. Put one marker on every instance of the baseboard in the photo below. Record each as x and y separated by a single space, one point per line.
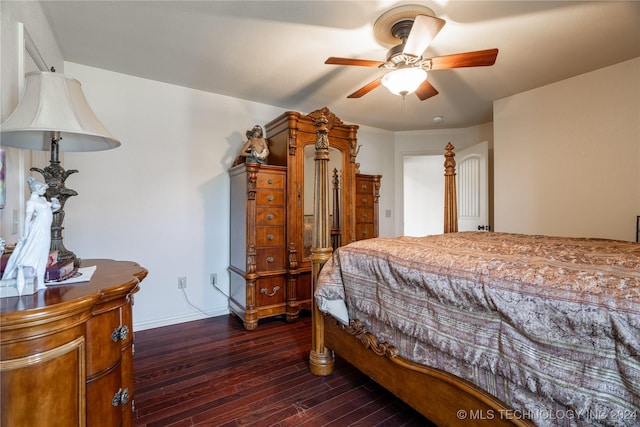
189 317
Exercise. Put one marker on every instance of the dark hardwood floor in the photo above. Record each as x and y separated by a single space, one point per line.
212 372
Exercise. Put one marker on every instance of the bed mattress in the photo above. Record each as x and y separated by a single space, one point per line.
549 325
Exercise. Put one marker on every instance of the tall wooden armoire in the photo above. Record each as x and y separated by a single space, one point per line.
366 215
270 271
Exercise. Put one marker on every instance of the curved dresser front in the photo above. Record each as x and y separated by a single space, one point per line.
66 352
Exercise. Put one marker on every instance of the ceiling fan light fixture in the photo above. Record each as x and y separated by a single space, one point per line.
404 80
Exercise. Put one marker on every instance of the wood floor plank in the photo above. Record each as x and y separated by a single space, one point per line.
212 372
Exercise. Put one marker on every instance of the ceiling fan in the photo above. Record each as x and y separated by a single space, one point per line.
415 27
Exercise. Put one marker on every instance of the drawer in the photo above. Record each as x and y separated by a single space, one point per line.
270 236
364 187
127 384
270 291
270 259
270 198
105 396
270 180
104 348
364 231
364 200
364 215
126 322
270 216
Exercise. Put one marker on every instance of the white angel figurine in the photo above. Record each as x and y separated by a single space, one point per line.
32 250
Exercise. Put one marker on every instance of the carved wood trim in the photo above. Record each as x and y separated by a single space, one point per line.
331 119
357 329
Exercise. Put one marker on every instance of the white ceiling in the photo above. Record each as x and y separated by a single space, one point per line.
273 52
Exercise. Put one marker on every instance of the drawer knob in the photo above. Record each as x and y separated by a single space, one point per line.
364 232
270 181
266 292
269 236
270 198
364 215
115 335
364 186
269 259
270 216
364 200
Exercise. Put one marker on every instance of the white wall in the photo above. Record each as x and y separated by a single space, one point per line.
13 60
374 158
567 156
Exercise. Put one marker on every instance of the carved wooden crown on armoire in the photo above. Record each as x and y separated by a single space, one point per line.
271 219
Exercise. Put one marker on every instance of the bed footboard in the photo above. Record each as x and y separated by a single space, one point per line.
443 398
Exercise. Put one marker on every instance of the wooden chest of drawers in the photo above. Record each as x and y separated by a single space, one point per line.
66 356
258 268
367 196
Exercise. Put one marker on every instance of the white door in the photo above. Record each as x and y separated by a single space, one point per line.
472 187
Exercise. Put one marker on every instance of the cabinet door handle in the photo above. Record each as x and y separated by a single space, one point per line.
116 398
124 396
120 333
124 332
266 292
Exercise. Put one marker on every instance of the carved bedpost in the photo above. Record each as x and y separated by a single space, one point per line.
320 358
450 197
336 229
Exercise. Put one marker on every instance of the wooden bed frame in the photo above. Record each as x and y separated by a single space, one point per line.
443 398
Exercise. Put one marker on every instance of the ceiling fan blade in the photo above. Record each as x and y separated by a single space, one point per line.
366 88
350 61
426 90
425 28
479 58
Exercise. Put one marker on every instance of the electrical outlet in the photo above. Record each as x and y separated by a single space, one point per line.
15 221
182 282
213 279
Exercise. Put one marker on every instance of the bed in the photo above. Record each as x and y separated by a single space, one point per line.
477 328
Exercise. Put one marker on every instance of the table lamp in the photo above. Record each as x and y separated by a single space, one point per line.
54 115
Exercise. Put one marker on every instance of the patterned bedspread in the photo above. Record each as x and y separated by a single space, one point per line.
549 325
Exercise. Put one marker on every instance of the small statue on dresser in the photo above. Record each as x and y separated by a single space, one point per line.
256 149
32 250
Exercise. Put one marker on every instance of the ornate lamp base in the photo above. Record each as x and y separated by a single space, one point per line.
55 177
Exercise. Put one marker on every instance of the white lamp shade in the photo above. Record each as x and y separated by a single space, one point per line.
404 81
55 103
